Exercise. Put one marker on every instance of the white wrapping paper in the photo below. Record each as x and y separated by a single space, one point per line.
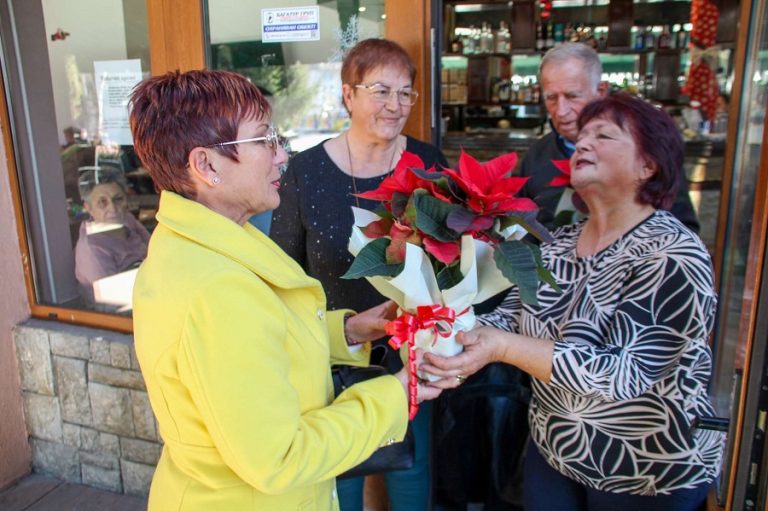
417 285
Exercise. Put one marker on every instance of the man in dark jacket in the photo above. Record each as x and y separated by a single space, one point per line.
570 78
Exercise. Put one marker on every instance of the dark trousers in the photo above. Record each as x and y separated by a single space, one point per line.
546 489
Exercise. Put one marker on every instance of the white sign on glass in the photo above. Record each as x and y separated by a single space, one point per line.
290 24
114 81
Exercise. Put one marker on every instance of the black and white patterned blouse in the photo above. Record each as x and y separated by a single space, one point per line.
631 362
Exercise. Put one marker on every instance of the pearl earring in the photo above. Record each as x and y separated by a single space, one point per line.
216 180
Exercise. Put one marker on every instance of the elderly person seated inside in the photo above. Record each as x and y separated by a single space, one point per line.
111 241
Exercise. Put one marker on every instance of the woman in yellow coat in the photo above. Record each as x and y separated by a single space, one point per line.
233 339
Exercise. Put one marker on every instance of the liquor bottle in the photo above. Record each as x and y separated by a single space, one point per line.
681 38
639 39
559 34
568 32
650 85
503 38
504 91
475 36
590 38
528 93
665 38
457 45
466 43
540 36
650 39
602 40
521 94
550 40
486 39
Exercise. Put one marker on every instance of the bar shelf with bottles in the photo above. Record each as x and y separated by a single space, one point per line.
490 54
498 84
491 93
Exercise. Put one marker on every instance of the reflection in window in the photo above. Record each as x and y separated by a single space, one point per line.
302 77
88 205
106 214
111 241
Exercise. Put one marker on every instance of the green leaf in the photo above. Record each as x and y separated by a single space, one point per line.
521 263
527 219
440 179
371 262
517 263
383 212
544 274
460 219
449 276
432 215
399 203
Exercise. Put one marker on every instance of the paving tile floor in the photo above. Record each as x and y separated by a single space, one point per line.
40 493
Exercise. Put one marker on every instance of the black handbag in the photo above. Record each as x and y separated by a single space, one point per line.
397 456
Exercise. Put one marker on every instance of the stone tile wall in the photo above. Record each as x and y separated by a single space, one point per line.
87 411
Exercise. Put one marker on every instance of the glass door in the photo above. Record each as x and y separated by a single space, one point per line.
740 339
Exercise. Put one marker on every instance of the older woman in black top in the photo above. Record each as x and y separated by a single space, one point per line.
314 220
620 358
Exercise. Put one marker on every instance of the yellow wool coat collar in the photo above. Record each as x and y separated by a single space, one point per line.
244 244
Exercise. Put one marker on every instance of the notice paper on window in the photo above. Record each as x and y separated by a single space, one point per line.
290 24
114 81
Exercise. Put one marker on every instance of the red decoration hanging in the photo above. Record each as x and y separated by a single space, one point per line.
701 84
59 35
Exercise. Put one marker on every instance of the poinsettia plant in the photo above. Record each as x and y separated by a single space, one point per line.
571 207
434 209
442 241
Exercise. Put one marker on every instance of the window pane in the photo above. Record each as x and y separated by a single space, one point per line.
302 76
88 204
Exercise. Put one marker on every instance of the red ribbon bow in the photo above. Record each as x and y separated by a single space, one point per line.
403 331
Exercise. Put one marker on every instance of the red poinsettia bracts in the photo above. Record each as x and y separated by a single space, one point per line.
402 180
490 191
444 251
563 166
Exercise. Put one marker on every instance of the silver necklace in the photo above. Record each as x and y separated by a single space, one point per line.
352 170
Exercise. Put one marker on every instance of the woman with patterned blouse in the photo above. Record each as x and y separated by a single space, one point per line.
619 356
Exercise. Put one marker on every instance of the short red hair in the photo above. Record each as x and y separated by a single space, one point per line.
173 113
370 54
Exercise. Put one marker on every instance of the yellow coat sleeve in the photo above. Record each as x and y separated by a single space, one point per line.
341 353
250 361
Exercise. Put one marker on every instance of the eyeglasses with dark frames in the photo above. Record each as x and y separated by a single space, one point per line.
381 93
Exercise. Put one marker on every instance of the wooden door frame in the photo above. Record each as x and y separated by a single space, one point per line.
412 32
750 303
176 35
